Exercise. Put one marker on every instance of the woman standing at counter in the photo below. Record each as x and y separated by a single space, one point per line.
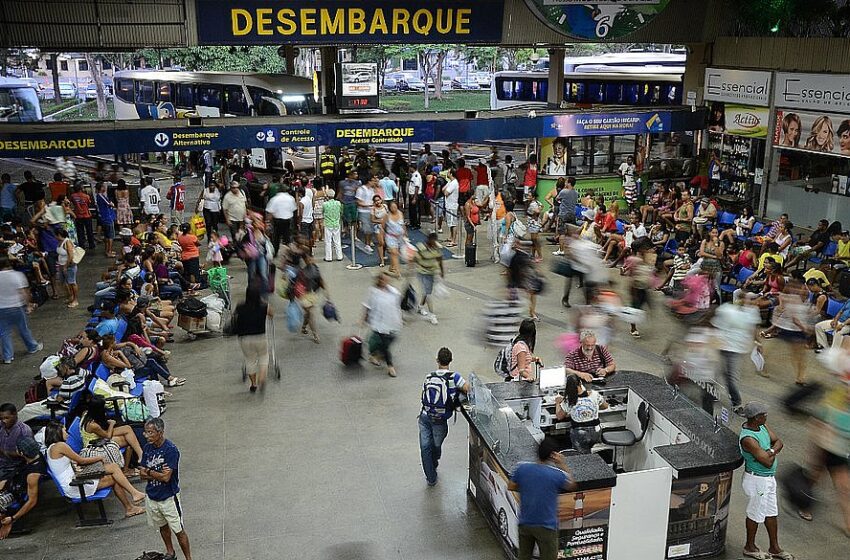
522 352
582 408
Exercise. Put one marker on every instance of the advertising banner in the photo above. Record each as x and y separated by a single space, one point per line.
357 85
699 514
347 22
738 120
737 86
823 133
813 92
604 124
594 19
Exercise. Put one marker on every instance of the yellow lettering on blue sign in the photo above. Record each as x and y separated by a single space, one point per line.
349 21
27 145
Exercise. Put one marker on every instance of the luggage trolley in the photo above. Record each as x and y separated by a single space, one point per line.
272 353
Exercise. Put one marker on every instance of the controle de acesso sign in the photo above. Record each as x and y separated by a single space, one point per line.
346 22
744 87
592 19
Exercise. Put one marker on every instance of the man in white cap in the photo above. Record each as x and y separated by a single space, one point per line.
759 448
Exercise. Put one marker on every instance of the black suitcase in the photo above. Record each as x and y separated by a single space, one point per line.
471 253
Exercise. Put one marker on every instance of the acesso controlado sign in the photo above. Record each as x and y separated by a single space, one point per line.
335 22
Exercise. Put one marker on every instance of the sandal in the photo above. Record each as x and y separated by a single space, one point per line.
804 516
784 555
757 554
134 513
176 382
765 334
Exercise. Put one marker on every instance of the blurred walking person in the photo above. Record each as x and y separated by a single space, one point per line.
249 326
383 315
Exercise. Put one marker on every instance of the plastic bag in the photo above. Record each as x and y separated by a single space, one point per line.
198 226
440 290
294 316
757 358
329 312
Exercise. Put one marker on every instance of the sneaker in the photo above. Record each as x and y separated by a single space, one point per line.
7 362
433 319
558 253
38 348
424 311
635 333
739 410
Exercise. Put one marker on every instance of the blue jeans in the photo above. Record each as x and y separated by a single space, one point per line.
431 435
15 318
152 370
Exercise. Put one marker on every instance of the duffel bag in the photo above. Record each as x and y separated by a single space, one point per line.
192 307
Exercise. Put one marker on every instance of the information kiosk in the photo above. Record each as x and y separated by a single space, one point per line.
664 496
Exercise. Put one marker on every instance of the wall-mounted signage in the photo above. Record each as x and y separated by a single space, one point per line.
737 86
813 92
357 85
346 22
824 133
738 120
594 19
602 124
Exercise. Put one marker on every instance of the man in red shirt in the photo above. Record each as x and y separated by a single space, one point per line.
464 181
82 214
176 200
58 187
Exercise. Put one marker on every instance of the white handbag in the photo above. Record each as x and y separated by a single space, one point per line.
78 255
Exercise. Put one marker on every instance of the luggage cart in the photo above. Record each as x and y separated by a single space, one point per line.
273 365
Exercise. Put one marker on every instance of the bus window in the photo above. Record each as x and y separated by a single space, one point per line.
595 92
124 89
185 98
631 93
236 104
613 93
208 95
577 92
144 92
163 94
263 107
504 89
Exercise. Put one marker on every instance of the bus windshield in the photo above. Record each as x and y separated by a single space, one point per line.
19 104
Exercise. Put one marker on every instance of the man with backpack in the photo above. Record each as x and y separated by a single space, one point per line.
439 400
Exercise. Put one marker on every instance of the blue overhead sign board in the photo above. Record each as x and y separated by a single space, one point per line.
62 140
348 22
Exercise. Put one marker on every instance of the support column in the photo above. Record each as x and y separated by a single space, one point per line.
289 58
555 93
699 58
328 85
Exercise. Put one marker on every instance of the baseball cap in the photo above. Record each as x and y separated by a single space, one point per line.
753 409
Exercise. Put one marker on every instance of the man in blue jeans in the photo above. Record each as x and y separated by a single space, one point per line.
539 485
439 397
14 298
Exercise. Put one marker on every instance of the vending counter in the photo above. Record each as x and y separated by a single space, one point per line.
667 496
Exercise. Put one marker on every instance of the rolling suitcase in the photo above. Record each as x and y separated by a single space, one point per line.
352 350
470 253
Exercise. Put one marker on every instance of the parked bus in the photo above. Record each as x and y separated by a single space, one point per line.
513 89
18 101
153 94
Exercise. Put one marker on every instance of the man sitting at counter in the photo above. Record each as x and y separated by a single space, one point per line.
590 360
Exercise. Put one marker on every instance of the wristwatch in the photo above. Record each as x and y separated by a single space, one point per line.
772 452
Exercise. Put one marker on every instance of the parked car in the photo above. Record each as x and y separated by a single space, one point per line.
360 76
91 91
484 80
67 90
414 82
465 82
390 85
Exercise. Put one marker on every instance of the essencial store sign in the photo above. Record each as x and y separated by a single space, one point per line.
813 92
744 87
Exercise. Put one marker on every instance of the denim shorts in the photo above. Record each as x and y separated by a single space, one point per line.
109 230
68 273
427 281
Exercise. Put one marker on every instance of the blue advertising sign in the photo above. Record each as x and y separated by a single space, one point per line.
346 22
606 124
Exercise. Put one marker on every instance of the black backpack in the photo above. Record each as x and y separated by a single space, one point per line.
192 307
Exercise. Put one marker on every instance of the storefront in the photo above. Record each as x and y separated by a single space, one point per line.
737 133
811 148
592 146
684 462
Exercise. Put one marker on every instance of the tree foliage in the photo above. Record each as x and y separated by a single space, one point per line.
794 18
219 59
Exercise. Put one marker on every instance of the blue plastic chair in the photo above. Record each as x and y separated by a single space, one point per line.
827 253
579 210
75 436
621 227
833 306
726 219
671 246
740 278
77 501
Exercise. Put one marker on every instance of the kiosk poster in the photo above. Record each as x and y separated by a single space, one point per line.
606 124
583 516
699 512
824 133
592 19
554 156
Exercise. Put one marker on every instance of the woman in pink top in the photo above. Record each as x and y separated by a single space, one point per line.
522 352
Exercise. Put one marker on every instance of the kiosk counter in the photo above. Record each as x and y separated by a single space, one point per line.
665 496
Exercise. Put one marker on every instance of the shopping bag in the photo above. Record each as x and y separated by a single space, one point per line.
198 226
329 311
757 358
294 316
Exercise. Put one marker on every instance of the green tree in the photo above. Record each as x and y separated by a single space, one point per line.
95 64
219 59
430 59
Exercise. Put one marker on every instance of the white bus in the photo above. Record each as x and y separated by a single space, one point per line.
18 101
515 89
153 94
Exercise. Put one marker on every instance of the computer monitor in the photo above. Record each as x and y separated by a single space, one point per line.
552 379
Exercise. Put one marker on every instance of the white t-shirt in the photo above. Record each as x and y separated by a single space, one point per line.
365 194
307 212
414 185
150 200
451 191
212 200
11 284
736 325
586 408
627 171
235 206
282 206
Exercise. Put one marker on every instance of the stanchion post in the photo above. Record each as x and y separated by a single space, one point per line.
461 233
353 265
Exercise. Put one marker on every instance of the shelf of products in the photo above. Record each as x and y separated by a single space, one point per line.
741 159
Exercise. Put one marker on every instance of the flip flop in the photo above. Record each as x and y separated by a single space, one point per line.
805 516
134 514
758 554
139 501
784 555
